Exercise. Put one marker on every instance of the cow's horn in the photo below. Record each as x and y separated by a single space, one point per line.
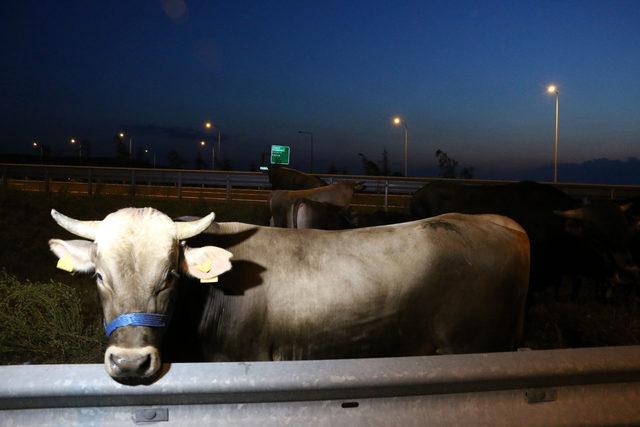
86 229
184 230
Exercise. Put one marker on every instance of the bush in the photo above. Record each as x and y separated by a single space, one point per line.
43 323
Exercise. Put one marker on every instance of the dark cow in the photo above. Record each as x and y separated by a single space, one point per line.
604 240
633 215
339 194
283 178
451 284
590 241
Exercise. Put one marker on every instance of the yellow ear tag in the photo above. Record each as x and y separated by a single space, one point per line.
205 266
213 279
65 263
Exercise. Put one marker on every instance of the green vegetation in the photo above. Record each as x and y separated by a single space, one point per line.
449 167
42 322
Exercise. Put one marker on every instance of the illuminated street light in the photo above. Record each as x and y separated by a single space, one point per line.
73 141
204 144
121 135
37 145
209 125
397 121
146 151
552 89
305 132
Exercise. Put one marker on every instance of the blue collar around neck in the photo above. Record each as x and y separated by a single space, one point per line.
153 320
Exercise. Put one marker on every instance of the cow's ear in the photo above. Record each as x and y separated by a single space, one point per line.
74 256
207 262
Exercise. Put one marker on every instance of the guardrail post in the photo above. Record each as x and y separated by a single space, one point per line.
386 194
90 183
179 185
228 190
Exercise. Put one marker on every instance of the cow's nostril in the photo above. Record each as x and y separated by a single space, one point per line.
116 361
145 364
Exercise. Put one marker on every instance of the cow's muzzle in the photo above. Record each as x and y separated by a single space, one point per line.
132 363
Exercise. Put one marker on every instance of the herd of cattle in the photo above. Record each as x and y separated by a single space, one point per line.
596 242
452 278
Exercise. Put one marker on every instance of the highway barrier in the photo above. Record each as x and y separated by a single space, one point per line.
380 191
591 386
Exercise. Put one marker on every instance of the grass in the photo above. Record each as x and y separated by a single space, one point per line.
42 322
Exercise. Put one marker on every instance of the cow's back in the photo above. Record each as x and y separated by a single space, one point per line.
283 178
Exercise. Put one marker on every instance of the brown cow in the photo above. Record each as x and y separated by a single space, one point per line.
338 194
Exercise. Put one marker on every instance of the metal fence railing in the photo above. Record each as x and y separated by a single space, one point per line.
594 386
91 178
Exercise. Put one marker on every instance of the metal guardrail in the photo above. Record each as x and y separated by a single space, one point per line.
552 387
94 176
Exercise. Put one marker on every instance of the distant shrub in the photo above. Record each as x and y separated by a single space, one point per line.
42 323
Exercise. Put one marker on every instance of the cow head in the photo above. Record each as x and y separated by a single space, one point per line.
136 257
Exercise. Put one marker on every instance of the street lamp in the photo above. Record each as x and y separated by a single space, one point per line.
122 135
36 145
73 141
209 125
146 151
397 121
306 132
552 89
203 144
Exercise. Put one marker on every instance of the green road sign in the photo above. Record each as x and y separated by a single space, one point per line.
280 154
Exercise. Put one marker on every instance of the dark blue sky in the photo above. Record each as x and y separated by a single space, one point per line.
469 77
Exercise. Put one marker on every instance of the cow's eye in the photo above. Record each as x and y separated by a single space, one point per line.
98 277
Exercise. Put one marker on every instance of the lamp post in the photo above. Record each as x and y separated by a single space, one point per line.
121 135
397 121
73 141
552 89
146 151
36 145
306 132
209 125
203 144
